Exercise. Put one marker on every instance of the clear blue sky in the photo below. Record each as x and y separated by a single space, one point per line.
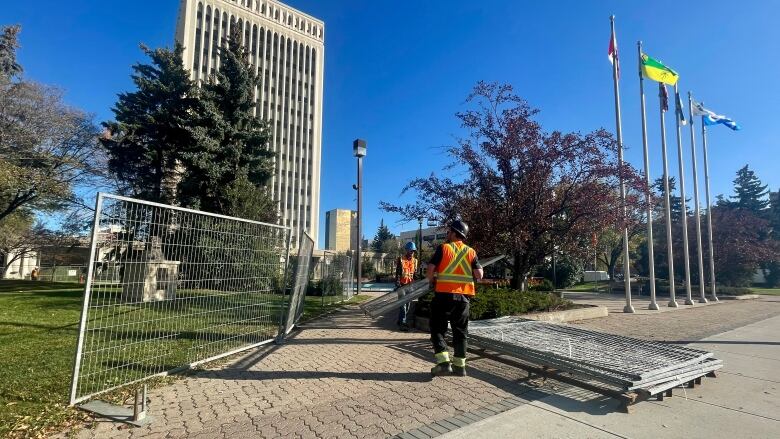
396 72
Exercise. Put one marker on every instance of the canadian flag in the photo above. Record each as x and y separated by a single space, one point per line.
613 53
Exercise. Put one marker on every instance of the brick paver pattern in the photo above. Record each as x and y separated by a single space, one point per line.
346 376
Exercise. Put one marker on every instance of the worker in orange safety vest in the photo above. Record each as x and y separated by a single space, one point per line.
405 268
456 268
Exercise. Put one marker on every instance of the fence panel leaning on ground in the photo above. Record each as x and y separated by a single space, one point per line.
300 283
168 288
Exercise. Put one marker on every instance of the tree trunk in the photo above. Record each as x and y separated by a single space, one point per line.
519 273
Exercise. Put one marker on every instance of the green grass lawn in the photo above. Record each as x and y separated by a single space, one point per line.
768 291
589 287
39 330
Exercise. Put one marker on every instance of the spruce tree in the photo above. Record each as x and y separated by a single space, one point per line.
229 162
674 200
383 235
749 193
9 42
152 127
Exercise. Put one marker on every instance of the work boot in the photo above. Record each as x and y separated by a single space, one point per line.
403 327
442 369
459 371
459 366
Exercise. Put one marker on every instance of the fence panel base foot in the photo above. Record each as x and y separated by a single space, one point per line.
116 413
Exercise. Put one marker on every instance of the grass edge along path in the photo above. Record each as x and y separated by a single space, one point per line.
38 334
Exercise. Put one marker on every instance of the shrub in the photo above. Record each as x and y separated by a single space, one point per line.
568 271
330 286
491 303
545 285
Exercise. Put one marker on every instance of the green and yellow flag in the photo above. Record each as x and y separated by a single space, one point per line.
655 70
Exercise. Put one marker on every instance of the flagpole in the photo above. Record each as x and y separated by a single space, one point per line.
667 204
699 253
709 209
648 198
629 308
683 202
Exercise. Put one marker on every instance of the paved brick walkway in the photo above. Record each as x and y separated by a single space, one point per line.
341 377
346 376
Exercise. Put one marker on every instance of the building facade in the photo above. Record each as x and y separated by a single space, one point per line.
286 48
430 235
340 230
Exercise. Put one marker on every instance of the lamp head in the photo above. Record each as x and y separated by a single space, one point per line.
359 148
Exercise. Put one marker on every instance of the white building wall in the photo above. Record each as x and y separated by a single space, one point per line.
22 267
287 49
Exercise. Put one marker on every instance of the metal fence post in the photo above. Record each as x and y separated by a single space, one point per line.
285 302
85 306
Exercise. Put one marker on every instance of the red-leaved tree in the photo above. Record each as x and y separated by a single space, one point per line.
524 191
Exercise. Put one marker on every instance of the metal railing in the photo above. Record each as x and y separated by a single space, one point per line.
168 288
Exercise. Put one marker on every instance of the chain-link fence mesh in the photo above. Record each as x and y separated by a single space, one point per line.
169 287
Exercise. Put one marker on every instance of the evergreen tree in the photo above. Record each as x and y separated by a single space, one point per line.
9 42
773 271
229 163
674 200
749 193
152 127
383 235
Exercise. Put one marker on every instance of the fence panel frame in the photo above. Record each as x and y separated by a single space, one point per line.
300 284
89 284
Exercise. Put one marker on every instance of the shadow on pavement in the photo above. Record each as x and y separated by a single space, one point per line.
569 398
259 375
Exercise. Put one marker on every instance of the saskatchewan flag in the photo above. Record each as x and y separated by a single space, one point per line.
655 70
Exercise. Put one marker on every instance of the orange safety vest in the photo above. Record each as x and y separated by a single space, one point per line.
408 267
454 273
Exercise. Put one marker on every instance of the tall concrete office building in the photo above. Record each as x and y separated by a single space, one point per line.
286 48
340 230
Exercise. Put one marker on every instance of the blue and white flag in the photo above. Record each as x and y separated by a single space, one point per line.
711 118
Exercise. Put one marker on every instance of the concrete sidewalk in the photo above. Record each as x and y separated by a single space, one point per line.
744 401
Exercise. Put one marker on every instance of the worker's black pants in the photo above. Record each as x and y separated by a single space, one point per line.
450 309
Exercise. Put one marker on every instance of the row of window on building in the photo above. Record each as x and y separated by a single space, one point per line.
282 15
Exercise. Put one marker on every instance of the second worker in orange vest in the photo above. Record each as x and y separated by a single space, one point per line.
457 268
406 267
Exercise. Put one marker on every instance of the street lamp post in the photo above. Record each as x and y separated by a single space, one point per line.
419 242
359 149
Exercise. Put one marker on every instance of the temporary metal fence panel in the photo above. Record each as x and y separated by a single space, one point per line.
336 277
625 362
300 282
62 273
405 294
169 288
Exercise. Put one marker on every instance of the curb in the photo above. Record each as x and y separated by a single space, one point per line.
743 297
569 315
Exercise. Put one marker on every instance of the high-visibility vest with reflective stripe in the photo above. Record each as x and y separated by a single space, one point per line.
454 273
408 267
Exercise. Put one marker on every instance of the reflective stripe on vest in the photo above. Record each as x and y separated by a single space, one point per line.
455 274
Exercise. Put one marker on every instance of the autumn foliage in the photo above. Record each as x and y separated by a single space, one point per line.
523 190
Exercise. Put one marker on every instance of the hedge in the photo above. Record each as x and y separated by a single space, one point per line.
490 303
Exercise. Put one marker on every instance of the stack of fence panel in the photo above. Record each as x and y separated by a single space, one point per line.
391 301
623 363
